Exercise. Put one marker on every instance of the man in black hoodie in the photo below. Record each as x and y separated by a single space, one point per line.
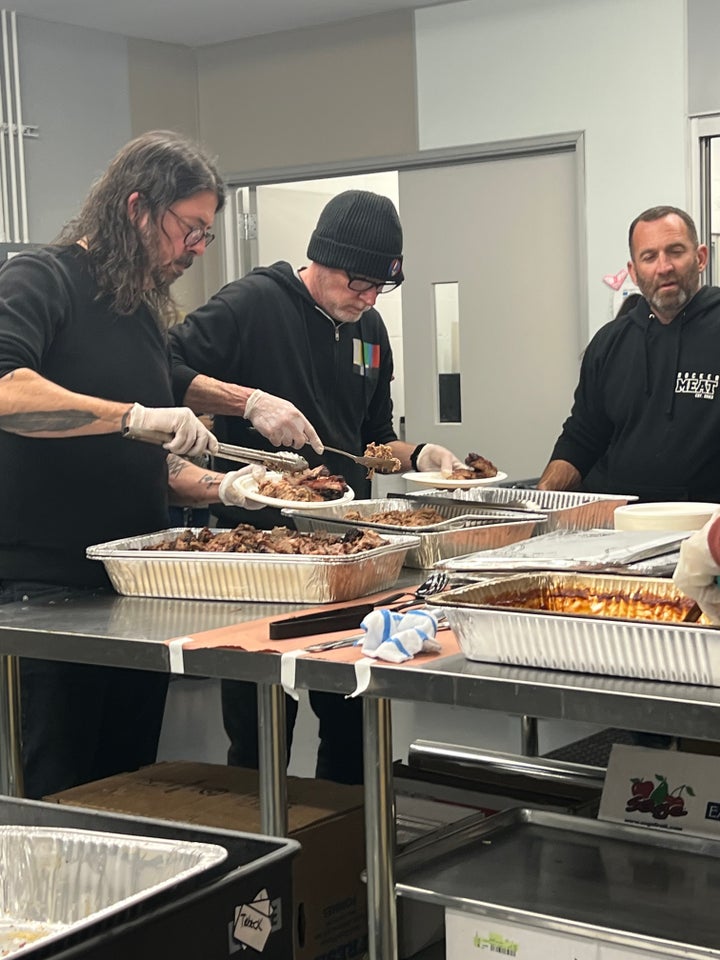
280 341
646 414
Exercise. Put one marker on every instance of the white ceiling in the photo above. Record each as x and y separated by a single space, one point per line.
199 22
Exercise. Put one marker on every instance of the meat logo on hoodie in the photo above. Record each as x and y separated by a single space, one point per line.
702 385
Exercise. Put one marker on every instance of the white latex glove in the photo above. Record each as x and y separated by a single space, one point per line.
280 421
190 437
232 495
696 571
433 457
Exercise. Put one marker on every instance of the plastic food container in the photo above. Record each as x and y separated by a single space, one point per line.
678 515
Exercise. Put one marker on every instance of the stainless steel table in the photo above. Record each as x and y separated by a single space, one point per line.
112 631
682 710
132 632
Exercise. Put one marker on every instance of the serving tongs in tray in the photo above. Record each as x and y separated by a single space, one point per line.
282 461
478 508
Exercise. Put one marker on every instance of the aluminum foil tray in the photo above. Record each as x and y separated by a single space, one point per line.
652 650
56 882
565 510
478 533
268 577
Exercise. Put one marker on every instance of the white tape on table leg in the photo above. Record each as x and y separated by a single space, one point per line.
287 672
177 661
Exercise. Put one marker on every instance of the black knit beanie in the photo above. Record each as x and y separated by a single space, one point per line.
359 232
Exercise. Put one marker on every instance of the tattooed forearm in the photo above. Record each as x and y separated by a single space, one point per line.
176 465
210 480
46 421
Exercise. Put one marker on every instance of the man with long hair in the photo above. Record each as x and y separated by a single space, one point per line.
83 365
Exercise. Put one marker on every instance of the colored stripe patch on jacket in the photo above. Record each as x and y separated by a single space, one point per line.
366 358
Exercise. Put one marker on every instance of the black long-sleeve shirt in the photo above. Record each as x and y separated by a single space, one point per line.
646 414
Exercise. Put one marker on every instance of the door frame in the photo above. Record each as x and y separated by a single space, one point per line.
573 141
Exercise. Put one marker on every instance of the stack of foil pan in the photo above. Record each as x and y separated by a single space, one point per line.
194 575
652 650
56 881
565 510
478 532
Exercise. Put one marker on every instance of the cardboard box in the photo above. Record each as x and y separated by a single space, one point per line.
470 935
330 899
663 789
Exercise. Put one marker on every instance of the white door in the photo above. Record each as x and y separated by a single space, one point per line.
500 238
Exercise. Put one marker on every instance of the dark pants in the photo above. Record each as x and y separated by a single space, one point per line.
82 722
340 754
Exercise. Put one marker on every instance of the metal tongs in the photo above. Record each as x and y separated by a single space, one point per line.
282 461
382 464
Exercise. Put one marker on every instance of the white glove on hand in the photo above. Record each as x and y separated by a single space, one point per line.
190 437
280 421
232 495
432 457
696 571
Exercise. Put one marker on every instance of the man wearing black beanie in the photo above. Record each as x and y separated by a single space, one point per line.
280 341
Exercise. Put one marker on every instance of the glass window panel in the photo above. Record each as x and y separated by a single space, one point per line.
447 351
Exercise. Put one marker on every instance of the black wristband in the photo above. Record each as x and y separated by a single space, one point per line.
414 455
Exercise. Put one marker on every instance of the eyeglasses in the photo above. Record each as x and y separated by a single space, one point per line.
194 234
362 284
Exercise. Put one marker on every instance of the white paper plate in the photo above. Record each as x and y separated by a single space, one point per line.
441 482
248 485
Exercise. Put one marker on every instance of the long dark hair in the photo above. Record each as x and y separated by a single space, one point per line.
162 167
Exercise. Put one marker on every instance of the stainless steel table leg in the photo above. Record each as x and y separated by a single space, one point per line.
529 736
11 774
379 829
272 753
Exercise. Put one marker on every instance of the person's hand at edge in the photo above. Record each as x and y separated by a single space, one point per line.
281 421
189 436
433 457
697 568
232 494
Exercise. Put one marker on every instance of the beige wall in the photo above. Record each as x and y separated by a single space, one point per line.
337 93
164 96
341 92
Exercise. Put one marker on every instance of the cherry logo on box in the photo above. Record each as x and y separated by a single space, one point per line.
658 799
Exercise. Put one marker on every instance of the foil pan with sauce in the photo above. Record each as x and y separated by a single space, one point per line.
453 540
268 577
56 882
492 625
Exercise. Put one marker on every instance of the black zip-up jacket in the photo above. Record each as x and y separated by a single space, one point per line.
646 416
266 331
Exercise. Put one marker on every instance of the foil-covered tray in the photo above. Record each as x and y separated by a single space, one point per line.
468 534
489 629
594 550
58 881
268 577
565 509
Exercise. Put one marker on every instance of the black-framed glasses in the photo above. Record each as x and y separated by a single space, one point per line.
194 235
362 284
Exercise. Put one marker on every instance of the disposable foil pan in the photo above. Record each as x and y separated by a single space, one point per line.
56 882
137 571
652 650
478 533
565 510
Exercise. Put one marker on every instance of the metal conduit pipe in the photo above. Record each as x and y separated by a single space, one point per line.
11 773
19 131
433 755
11 131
